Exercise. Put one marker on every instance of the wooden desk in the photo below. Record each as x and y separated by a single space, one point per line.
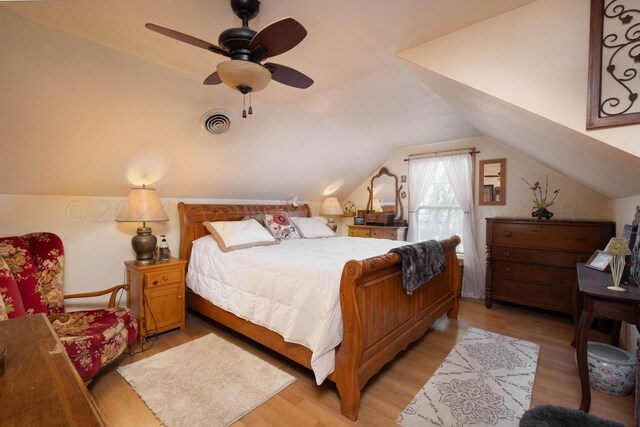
40 386
593 299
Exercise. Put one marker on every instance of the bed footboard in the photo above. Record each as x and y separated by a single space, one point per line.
380 319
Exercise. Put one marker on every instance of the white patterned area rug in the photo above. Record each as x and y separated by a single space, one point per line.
205 382
486 380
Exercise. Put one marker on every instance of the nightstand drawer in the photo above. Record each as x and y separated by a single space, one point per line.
164 277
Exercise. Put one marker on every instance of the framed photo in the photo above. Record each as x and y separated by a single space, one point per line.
599 260
358 220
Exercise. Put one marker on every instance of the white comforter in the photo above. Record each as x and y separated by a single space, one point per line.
292 288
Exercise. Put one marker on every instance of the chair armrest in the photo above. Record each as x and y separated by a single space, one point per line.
113 291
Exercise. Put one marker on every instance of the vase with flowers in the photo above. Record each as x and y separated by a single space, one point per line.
541 199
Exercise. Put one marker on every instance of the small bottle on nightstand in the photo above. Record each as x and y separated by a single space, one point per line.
163 249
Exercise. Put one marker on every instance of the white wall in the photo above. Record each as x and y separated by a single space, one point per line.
95 245
574 202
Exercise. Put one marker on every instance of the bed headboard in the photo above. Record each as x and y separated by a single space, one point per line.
193 215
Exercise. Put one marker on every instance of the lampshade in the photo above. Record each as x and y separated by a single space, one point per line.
239 74
377 206
142 205
618 246
331 206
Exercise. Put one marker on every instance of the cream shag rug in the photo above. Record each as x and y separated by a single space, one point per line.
486 380
205 382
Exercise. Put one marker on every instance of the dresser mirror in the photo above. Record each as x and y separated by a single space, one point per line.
384 195
492 188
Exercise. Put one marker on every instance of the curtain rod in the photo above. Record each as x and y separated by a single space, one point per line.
442 154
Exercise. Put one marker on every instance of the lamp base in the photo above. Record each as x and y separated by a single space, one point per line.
143 244
331 223
617 288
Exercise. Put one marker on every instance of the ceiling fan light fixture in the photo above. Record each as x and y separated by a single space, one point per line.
244 76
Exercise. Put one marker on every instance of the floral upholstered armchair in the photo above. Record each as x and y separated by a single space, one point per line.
31 269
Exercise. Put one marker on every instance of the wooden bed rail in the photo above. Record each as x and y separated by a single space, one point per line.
380 319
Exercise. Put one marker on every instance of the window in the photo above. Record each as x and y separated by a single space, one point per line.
439 215
441 204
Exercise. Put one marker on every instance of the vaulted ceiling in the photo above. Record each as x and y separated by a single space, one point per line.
93 101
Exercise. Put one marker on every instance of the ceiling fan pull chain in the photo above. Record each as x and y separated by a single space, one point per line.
250 109
244 106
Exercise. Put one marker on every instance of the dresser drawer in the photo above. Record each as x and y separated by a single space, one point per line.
163 277
380 233
579 238
359 232
534 256
532 273
534 295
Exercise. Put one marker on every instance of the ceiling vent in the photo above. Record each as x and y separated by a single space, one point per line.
216 121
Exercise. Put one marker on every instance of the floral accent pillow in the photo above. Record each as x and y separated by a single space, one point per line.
280 226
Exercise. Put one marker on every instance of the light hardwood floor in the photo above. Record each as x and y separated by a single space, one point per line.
305 404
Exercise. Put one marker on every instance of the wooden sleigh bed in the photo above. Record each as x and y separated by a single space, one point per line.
379 318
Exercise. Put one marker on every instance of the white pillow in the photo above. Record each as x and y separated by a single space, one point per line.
232 235
310 228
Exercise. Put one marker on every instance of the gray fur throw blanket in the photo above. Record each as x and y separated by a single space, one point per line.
420 262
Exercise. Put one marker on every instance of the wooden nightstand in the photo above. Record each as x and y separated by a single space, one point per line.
157 295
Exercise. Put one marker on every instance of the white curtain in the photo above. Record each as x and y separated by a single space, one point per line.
422 173
458 168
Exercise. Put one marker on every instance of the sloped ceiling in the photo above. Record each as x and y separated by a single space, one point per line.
530 92
92 101
607 170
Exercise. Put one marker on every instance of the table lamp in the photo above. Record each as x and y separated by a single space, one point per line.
143 205
331 207
618 248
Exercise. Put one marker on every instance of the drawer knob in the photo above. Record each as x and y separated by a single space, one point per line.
179 296
508 234
579 238
508 269
165 278
507 253
155 282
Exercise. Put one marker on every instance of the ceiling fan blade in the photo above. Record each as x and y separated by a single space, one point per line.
277 38
213 79
187 39
288 76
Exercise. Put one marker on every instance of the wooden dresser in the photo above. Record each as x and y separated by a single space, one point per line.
533 262
378 231
40 385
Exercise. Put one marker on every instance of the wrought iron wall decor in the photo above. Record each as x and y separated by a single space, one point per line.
614 64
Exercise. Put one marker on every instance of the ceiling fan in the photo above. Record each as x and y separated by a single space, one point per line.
247 49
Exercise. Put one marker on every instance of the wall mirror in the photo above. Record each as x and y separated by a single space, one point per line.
493 182
384 194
